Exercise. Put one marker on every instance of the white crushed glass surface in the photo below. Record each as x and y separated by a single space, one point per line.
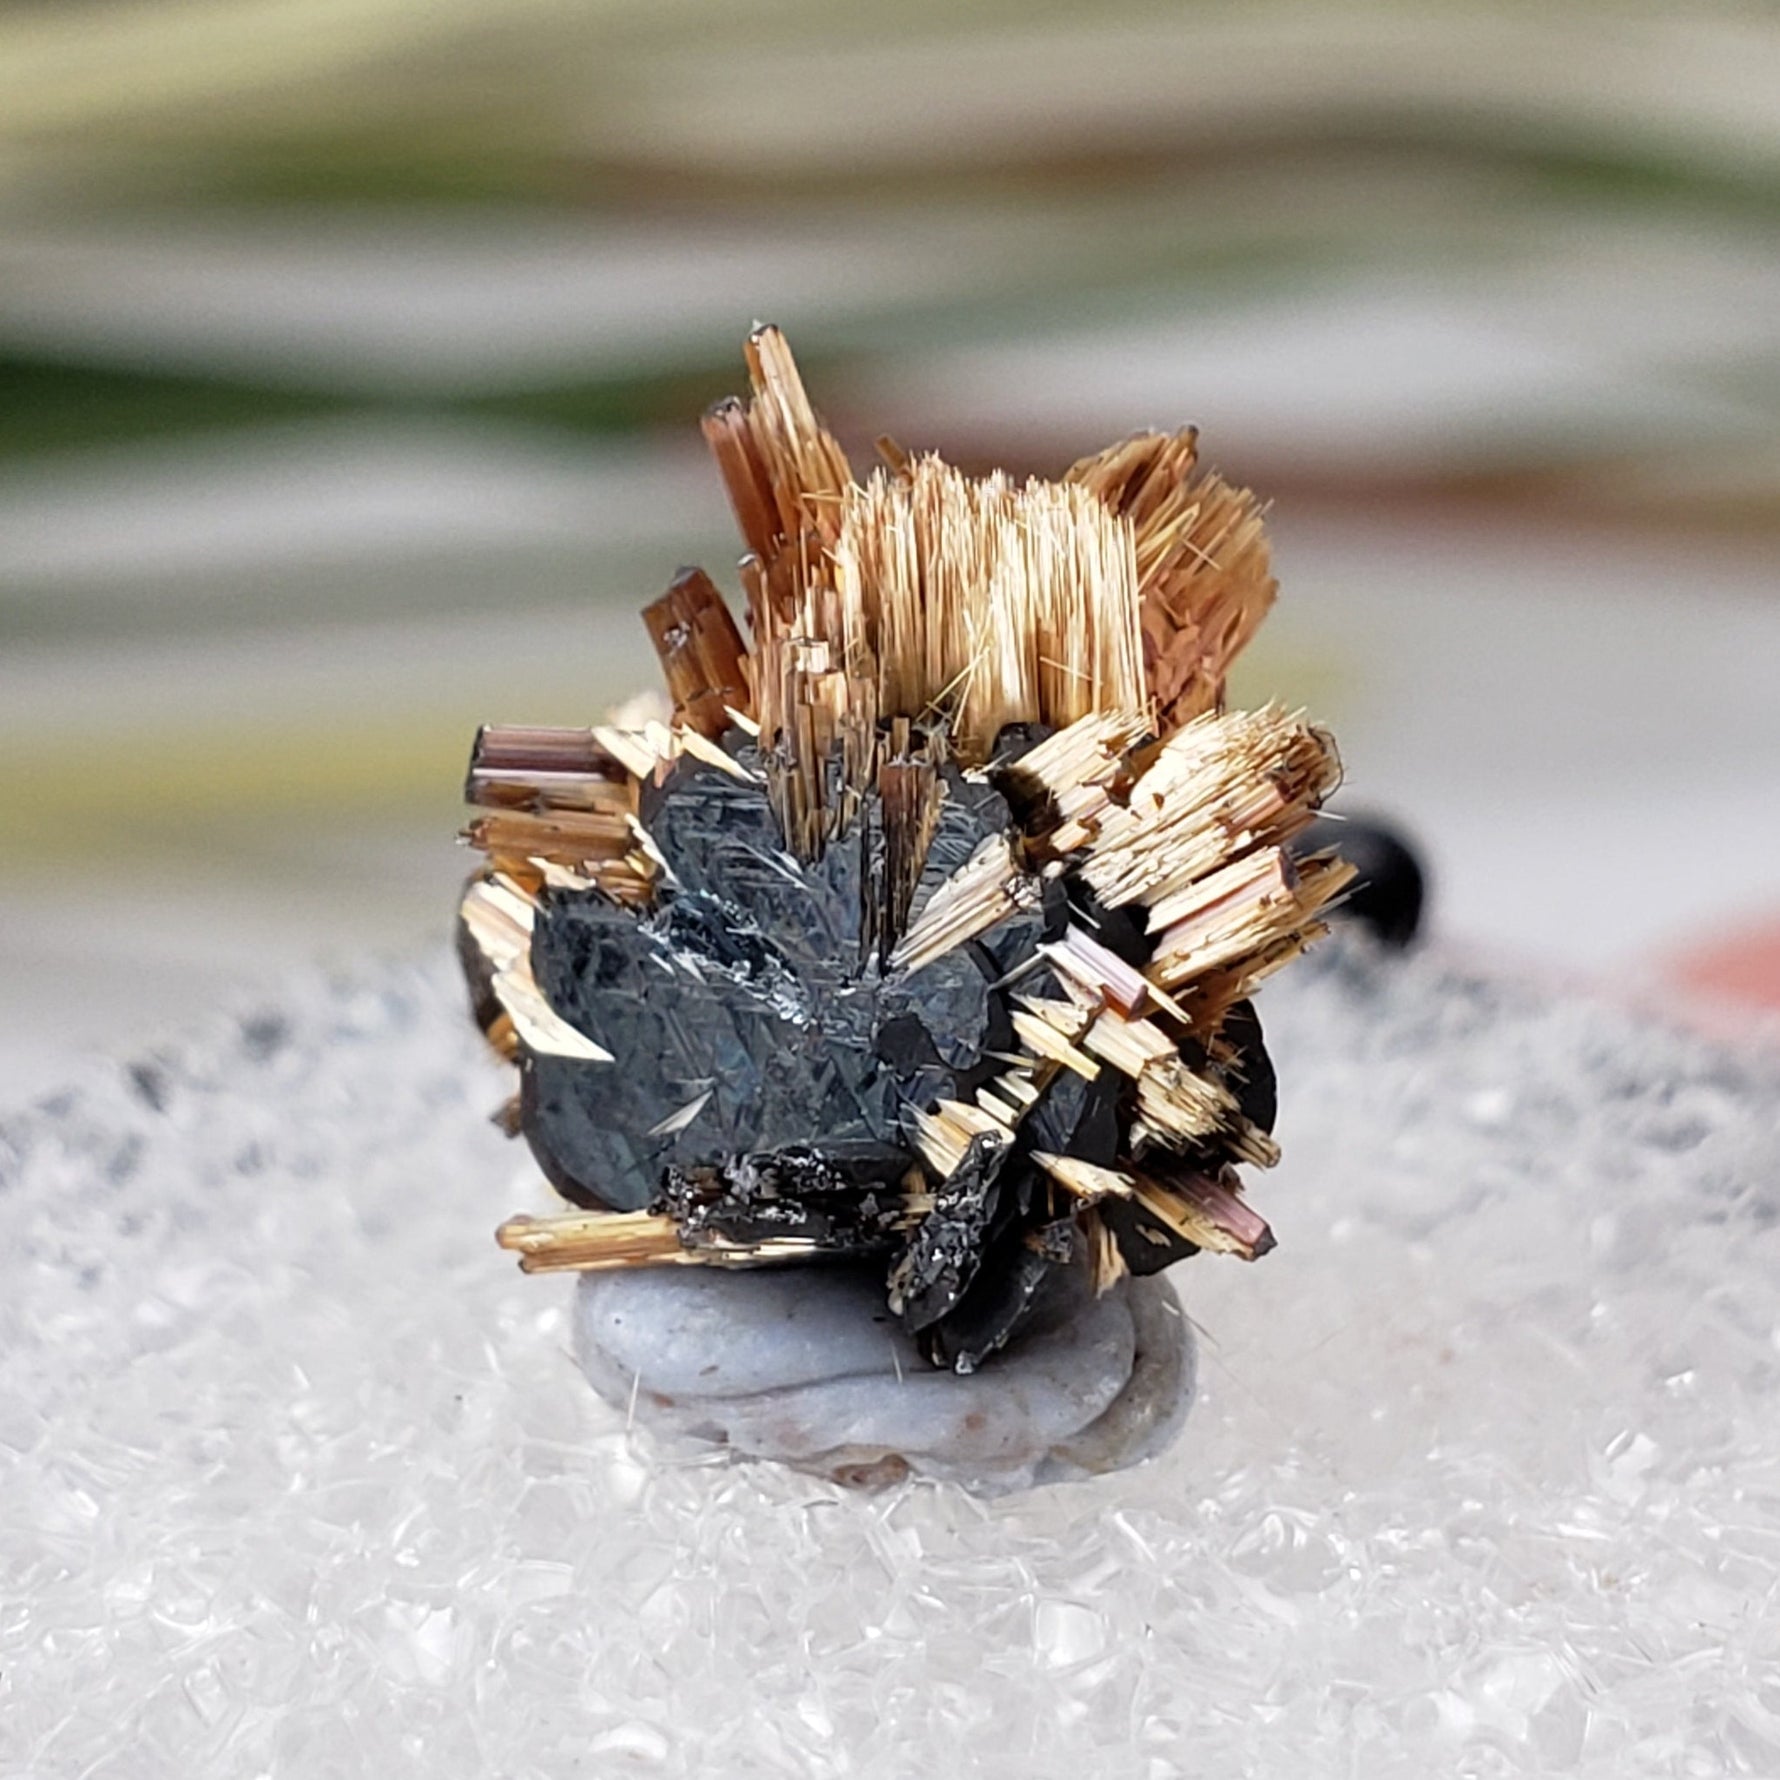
297 1475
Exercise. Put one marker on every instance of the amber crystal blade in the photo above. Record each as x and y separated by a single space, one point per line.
515 766
703 658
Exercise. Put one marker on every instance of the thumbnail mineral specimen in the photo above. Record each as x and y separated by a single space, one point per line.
922 927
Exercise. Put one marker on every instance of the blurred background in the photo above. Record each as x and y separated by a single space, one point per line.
352 351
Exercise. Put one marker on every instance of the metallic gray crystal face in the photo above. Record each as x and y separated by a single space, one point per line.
748 1011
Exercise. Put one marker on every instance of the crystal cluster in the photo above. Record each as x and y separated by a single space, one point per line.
922 926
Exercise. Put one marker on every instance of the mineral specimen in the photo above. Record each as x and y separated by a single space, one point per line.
922 928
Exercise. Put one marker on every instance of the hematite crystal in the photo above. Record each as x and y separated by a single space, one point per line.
765 1060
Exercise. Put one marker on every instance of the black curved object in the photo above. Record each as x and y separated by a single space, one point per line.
1389 896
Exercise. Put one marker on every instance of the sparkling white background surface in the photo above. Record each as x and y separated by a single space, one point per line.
298 1477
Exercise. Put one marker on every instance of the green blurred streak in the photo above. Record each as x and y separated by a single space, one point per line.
425 169
51 405
623 403
1639 180
202 793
